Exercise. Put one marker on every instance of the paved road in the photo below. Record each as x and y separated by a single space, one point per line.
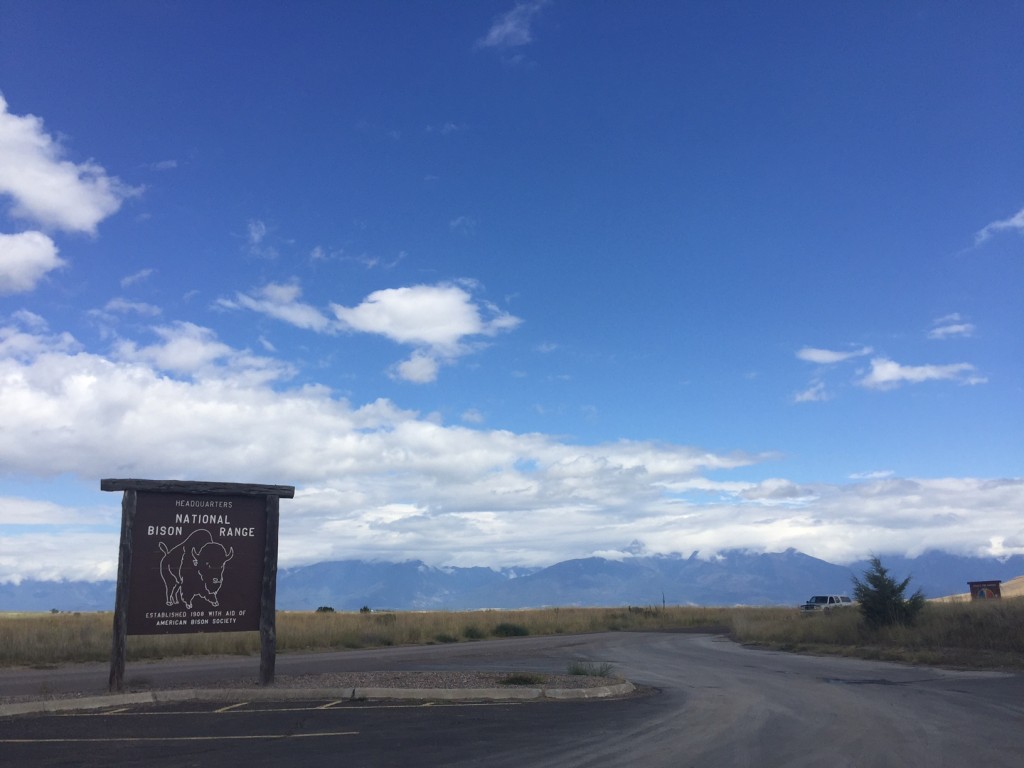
716 704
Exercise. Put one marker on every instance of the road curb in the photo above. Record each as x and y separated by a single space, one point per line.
341 694
601 692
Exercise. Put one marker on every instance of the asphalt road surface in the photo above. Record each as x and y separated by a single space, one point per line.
713 703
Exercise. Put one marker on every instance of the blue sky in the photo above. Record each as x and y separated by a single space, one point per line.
502 283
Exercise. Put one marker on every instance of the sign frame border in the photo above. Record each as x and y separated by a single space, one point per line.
268 596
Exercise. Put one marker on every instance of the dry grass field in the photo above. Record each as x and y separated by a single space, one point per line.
980 634
41 639
955 633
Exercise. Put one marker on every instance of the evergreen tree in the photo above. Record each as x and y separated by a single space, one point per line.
881 599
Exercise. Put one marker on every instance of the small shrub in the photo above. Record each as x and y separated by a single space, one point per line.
473 632
590 668
508 629
522 678
445 638
647 612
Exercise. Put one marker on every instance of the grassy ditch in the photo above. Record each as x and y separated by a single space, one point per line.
989 634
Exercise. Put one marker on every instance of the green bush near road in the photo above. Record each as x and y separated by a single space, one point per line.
881 598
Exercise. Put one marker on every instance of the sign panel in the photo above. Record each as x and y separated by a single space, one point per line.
985 590
197 563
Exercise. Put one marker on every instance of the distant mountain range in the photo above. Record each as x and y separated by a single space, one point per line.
732 578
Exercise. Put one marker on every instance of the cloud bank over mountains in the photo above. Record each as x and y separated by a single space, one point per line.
375 480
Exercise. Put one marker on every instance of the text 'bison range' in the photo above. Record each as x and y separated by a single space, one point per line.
194 568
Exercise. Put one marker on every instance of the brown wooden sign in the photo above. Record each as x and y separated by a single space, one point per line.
985 590
197 563
196 557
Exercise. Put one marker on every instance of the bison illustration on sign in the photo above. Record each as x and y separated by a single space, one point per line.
194 568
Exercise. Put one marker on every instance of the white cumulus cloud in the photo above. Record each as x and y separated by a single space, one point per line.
439 320
377 481
191 350
436 316
281 301
888 374
25 258
420 368
47 188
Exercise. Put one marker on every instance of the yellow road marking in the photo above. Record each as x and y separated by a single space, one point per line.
330 704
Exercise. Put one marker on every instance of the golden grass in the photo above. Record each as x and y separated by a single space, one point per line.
973 634
978 634
46 639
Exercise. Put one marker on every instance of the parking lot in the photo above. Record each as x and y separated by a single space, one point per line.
704 701
308 733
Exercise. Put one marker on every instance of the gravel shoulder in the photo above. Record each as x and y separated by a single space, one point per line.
542 661
433 679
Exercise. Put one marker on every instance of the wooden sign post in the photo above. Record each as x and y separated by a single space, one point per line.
196 557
